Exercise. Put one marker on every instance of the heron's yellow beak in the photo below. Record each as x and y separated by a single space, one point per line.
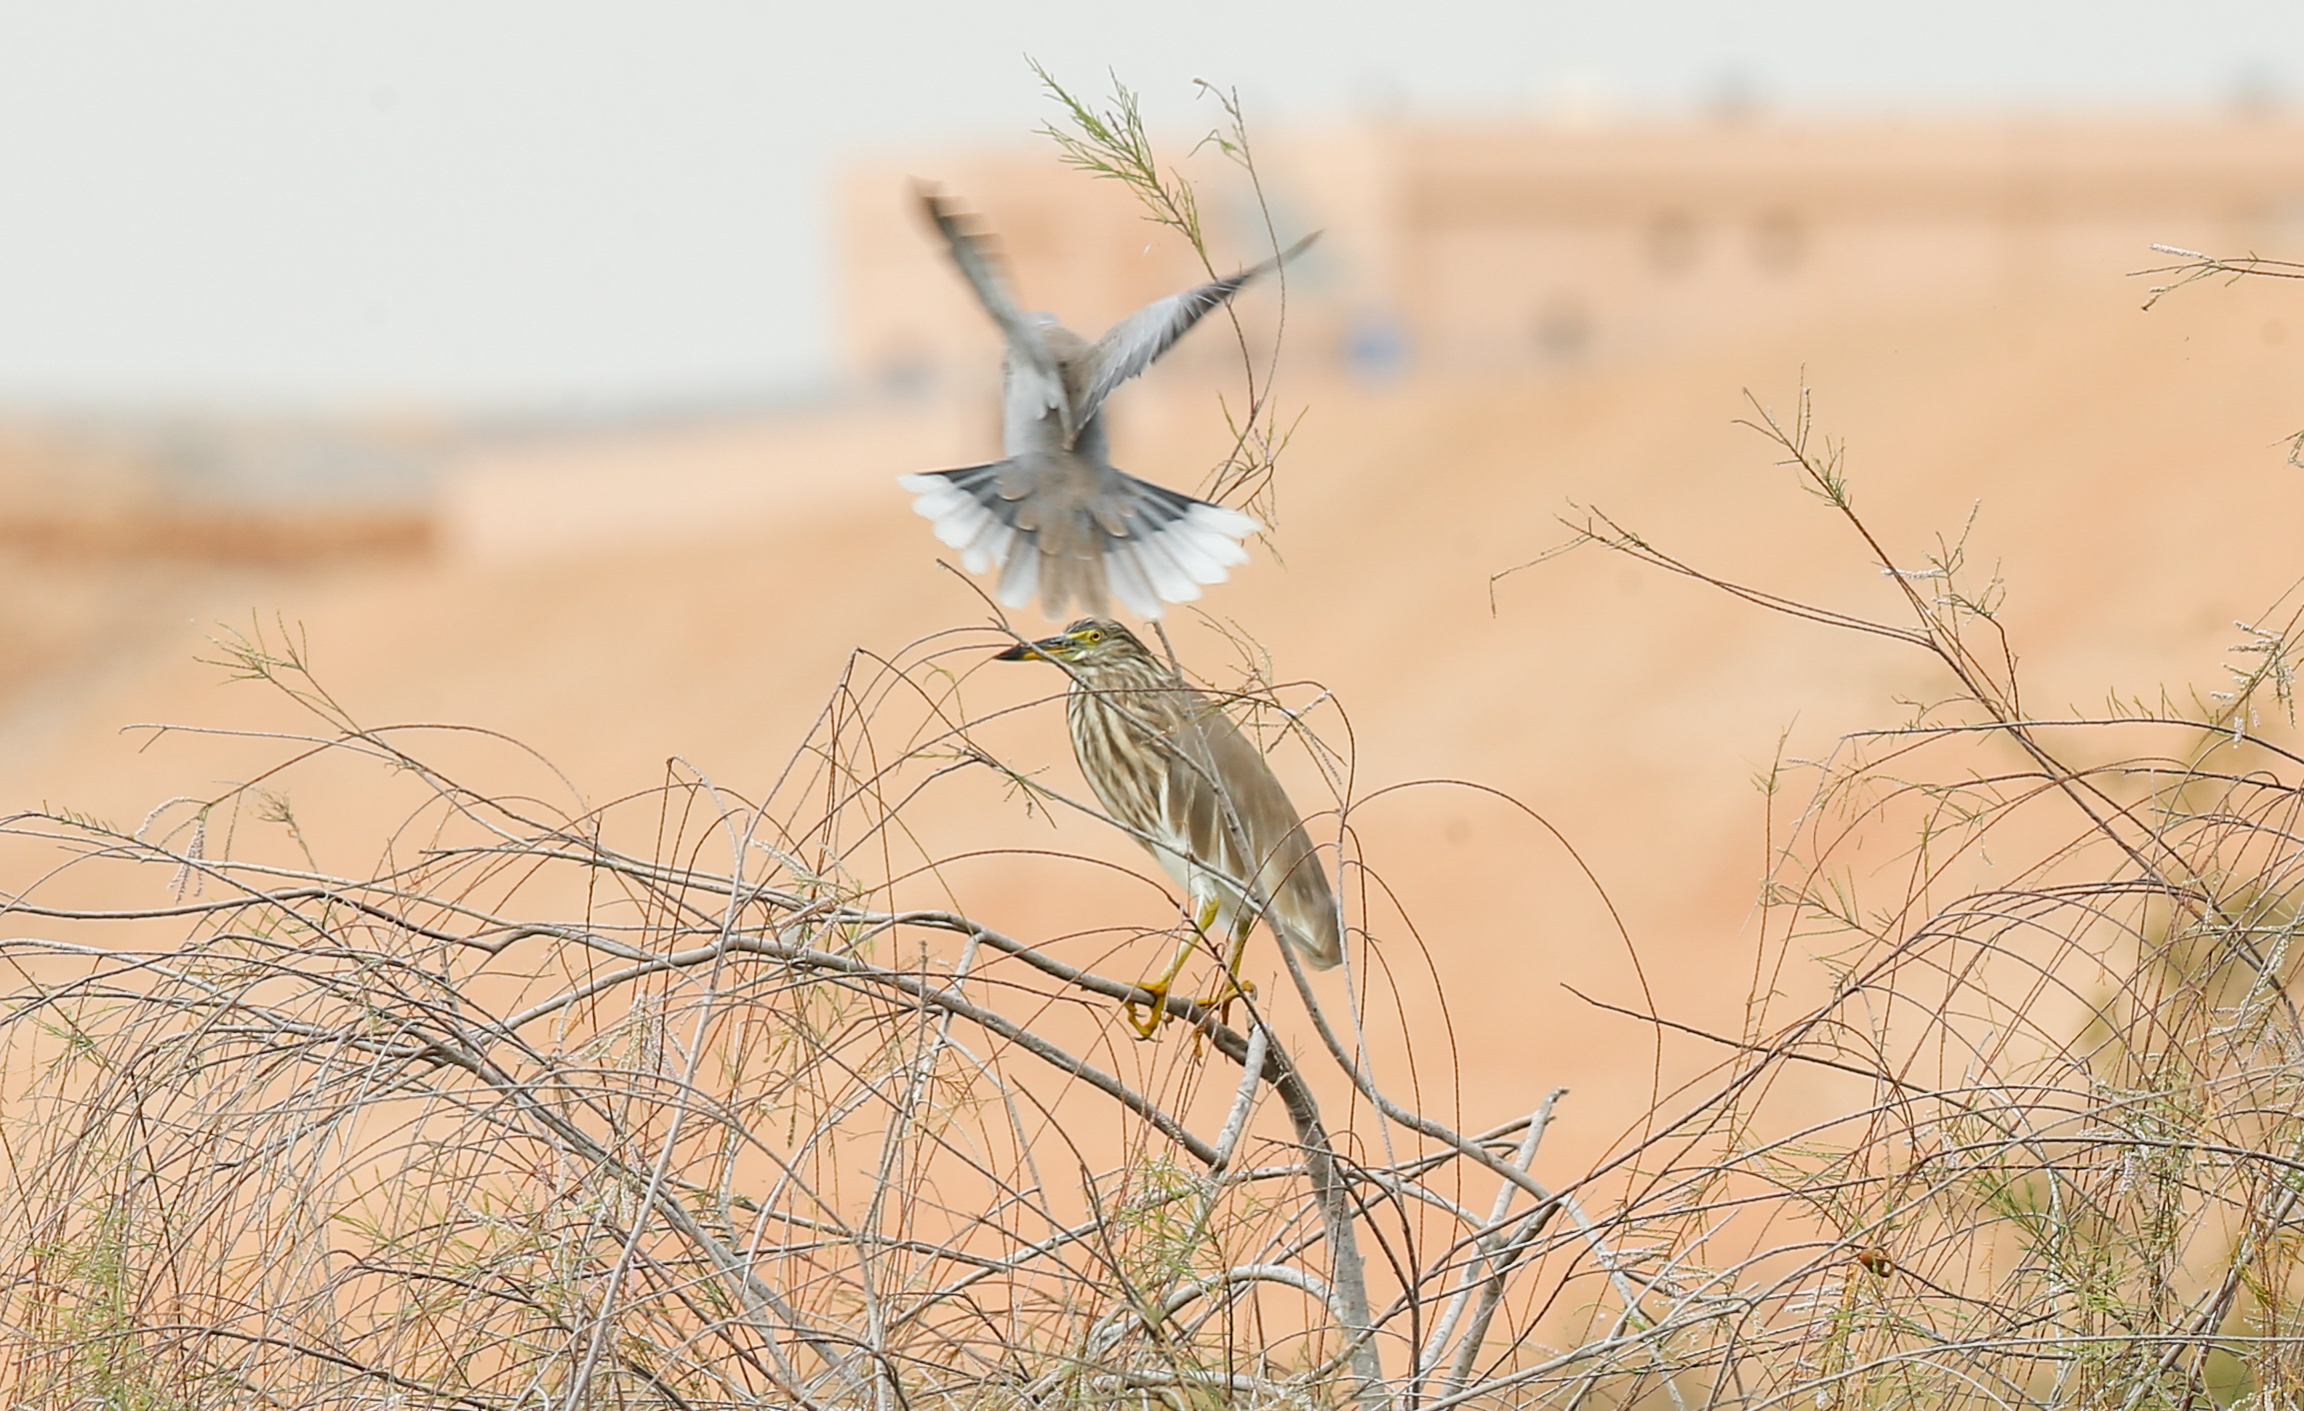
1033 651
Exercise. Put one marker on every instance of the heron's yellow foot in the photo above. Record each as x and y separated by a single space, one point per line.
1221 1001
1158 989
1156 1012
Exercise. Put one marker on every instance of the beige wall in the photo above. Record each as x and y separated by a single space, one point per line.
1510 246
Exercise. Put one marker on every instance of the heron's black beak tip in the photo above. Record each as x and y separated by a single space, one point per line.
1022 651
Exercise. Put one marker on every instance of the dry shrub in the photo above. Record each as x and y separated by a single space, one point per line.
689 1100
2040 1145
684 1100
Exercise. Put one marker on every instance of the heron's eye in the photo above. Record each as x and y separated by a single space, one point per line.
1091 637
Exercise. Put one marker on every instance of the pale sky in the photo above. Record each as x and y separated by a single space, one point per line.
552 205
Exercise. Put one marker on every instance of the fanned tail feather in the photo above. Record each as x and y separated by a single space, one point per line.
1142 543
1162 545
966 511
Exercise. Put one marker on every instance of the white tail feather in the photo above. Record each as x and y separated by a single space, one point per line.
961 524
1221 530
1022 577
1170 579
989 547
1167 559
1192 557
1124 573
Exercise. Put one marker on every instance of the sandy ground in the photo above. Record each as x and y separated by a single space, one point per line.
695 593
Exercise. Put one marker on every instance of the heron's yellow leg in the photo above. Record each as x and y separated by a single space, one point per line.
1234 987
1158 989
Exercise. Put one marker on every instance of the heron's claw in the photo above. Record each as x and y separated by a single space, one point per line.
1221 1001
1156 1011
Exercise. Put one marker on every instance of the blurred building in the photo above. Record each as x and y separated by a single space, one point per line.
1501 248
183 487
1510 246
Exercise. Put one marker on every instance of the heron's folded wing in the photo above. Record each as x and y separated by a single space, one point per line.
1243 819
1137 341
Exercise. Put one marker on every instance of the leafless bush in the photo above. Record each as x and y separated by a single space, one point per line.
671 1102
2040 1145
689 1100
697 1100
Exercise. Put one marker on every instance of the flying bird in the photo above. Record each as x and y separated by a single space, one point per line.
1165 761
1055 517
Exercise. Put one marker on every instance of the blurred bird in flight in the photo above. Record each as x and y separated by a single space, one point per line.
1055 517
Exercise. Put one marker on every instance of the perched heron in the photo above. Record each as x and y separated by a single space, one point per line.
1055 516
1169 764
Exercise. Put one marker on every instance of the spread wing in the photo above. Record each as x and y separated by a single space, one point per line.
1137 341
1030 362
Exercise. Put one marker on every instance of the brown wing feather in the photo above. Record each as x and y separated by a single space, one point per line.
1292 884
